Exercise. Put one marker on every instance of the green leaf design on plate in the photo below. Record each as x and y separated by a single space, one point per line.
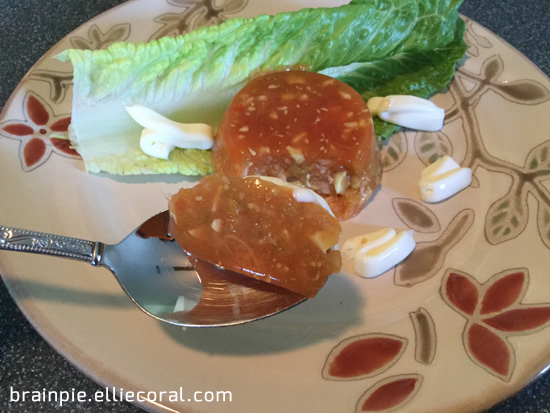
431 146
538 160
394 152
508 216
544 223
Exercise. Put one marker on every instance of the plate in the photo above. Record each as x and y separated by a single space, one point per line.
469 310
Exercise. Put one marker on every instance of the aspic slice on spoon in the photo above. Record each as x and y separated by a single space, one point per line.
160 279
262 227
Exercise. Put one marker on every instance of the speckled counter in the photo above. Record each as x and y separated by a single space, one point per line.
28 28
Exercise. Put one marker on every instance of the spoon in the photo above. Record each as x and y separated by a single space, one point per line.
161 279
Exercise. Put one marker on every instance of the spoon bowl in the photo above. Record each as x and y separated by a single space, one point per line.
161 279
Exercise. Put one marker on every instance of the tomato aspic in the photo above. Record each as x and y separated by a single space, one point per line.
302 127
259 228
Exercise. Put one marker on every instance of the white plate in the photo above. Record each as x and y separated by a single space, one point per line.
436 335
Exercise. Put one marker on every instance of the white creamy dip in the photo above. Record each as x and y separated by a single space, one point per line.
443 179
299 193
161 135
408 111
375 253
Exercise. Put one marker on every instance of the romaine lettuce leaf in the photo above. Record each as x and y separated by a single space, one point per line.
419 74
377 46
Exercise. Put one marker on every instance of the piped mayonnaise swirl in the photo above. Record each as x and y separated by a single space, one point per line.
161 135
299 193
443 179
376 252
408 111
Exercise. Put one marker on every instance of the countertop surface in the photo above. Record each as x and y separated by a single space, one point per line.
28 28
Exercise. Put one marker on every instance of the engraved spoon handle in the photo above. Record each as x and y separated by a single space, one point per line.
16 239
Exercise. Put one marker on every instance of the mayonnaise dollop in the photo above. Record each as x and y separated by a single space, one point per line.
323 240
375 253
162 135
408 111
299 193
443 179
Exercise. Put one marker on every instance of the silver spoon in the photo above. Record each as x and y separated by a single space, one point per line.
161 279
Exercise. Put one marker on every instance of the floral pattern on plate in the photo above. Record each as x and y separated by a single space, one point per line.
196 13
493 312
37 132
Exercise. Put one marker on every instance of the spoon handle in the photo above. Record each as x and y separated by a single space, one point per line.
16 239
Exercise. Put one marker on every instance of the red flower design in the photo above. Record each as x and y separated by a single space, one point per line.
390 393
35 131
363 356
493 312
369 355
